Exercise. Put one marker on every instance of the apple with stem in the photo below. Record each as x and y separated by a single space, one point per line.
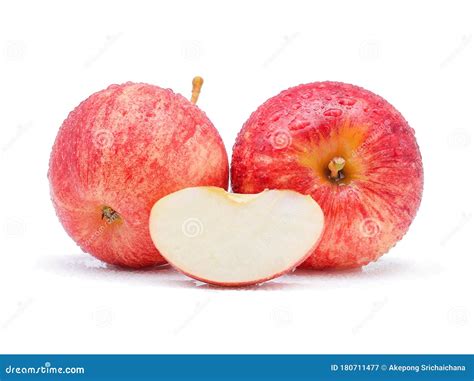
120 151
349 149
230 239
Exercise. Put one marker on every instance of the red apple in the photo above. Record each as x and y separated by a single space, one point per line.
351 151
120 151
232 239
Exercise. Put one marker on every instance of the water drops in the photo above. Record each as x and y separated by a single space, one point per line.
296 106
398 152
299 124
333 112
347 101
276 117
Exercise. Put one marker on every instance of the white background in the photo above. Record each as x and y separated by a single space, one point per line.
418 55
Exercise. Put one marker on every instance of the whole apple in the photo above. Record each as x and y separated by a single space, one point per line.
120 151
351 151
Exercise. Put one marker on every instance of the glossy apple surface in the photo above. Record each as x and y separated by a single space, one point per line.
120 151
349 149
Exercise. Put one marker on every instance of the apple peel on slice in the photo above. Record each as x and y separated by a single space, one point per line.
233 239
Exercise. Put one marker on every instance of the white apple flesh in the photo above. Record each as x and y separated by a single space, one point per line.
235 239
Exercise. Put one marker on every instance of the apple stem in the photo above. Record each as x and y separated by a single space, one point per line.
335 166
197 84
109 214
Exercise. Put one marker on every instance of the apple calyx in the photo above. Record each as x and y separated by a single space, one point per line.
335 167
197 85
110 215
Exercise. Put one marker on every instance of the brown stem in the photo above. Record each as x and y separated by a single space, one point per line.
109 214
335 166
197 84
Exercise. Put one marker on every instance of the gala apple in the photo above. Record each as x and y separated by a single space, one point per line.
120 151
351 151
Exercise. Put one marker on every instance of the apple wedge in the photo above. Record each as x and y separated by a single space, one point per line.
231 239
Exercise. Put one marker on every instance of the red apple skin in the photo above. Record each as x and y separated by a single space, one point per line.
124 148
288 142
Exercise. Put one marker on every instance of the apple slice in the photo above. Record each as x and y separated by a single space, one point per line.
231 239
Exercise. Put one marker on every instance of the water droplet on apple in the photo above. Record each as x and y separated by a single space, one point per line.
347 101
398 152
332 112
299 124
276 117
